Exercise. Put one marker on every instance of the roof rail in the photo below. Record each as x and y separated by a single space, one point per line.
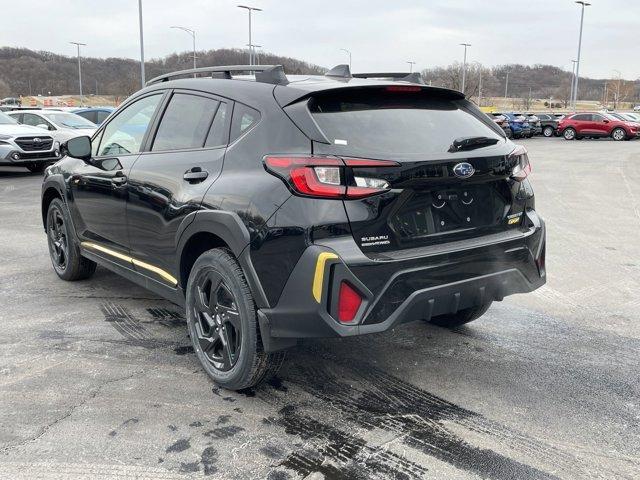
414 77
273 74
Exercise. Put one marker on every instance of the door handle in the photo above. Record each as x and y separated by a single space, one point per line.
119 179
195 175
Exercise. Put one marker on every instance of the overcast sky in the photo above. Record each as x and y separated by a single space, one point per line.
381 34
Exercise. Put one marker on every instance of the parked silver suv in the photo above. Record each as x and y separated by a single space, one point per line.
26 146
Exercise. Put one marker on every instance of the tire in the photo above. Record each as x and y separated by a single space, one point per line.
223 325
37 167
64 250
619 134
548 132
463 316
509 133
569 134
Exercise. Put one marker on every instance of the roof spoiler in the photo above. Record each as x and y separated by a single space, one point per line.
273 74
343 71
414 77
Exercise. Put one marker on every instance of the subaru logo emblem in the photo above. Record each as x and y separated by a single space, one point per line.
463 170
37 140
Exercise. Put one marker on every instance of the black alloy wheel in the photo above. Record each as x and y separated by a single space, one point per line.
58 241
66 258
217 325
223 323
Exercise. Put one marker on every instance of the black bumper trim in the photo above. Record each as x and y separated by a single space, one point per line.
431 286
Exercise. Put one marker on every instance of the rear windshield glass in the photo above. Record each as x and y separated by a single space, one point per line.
395 123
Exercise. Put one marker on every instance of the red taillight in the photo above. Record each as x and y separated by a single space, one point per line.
324 176
349 302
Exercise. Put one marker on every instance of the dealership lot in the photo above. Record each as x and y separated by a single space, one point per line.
98 378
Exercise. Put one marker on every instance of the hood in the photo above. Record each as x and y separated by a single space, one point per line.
17 129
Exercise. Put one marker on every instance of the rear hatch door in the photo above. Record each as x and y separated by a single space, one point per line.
442 188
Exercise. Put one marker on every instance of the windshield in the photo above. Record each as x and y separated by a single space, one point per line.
392 125
69 120
6 119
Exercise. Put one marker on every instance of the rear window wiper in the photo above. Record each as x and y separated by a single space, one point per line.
471 143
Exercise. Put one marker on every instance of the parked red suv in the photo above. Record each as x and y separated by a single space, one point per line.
594 125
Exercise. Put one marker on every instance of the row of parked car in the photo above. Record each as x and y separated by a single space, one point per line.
31 138
574 126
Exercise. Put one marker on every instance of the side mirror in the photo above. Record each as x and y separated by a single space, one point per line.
78 147
43 125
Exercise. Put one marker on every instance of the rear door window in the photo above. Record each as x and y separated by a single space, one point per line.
185 123
395 124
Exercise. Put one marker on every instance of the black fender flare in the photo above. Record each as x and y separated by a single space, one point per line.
57 183
229 227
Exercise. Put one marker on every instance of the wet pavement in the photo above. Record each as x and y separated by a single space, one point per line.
98 378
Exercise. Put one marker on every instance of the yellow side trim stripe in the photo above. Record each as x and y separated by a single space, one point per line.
138 263
318 277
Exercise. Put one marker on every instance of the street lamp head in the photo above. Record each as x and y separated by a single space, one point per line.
465 44
584 4
250 8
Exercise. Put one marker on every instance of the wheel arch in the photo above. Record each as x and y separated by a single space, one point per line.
48 194
217 229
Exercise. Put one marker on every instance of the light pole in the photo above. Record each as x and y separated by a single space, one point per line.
193 35
506 86
464 65
583 4
256 58
142 79
250 9
411 64
78 44
349 52
573 79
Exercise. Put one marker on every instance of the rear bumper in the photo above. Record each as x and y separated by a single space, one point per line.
435 281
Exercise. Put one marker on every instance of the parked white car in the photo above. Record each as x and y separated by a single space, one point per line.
61 125
26 146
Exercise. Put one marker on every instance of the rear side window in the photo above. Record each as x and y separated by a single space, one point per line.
395 123
584 117
243 119
185 123
101 116
90 115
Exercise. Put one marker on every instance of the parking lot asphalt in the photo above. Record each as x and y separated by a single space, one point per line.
98 378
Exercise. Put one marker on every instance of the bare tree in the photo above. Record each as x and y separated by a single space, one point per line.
5 91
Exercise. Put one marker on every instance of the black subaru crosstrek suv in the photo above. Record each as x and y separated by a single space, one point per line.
277 208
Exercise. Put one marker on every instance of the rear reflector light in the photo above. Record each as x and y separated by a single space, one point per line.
521 168
326 177
348 303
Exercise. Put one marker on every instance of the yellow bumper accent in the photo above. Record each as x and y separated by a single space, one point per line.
318 277
138 263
